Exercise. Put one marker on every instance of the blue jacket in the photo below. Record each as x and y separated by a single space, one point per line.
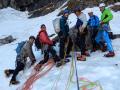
64 28
93 21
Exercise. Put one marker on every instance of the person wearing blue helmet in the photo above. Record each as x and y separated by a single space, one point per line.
64 38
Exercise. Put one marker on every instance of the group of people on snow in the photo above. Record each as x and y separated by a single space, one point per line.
94 31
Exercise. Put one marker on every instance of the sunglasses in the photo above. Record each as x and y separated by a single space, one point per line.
43 27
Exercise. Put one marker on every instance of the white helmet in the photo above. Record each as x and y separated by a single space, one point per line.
102 5
89 10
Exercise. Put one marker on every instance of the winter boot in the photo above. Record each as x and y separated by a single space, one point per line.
7 73
56 59
14 82
86 53
110 54
60 63
93 50
81 58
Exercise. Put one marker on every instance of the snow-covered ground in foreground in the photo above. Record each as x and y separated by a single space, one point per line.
96 68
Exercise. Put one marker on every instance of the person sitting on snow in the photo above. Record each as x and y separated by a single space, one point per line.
93 27
106 17
47 48
81 26
21 59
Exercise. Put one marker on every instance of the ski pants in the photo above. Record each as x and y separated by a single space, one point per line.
80 42
50 50
92 33
62 50
102 34
19 67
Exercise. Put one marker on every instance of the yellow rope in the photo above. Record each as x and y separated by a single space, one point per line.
57 80
71 71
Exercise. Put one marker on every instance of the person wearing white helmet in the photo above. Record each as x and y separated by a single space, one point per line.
92 26
106 17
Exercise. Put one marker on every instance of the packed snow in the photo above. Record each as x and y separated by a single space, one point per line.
106 71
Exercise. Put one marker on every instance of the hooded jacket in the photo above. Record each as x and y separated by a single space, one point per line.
106 15
64 28
44 39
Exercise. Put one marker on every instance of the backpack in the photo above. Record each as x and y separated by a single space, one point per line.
56 25
19 47
38 43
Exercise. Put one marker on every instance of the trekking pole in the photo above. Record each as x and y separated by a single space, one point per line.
76 70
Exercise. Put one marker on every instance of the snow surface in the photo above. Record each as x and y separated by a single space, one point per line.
96 68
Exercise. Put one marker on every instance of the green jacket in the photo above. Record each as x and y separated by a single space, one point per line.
106 15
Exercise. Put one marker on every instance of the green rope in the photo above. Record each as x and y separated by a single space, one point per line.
58 78
71 71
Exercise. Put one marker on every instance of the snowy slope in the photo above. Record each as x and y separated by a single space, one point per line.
96 68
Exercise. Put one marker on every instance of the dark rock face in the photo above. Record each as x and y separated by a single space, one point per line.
4 3
35 7
6 40
42 7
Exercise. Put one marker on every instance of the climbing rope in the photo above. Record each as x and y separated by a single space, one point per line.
54 87
89 85
36 75
58 78
78 88
71 71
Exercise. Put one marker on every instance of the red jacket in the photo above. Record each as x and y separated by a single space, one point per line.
44 39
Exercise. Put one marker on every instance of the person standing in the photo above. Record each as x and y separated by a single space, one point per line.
81 26
64 38
47 47
106 17
93 27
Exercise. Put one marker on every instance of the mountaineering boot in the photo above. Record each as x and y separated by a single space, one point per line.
62 62
81 58
86 53
93 50
56 59
67 60
14 82
7 73
110 54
